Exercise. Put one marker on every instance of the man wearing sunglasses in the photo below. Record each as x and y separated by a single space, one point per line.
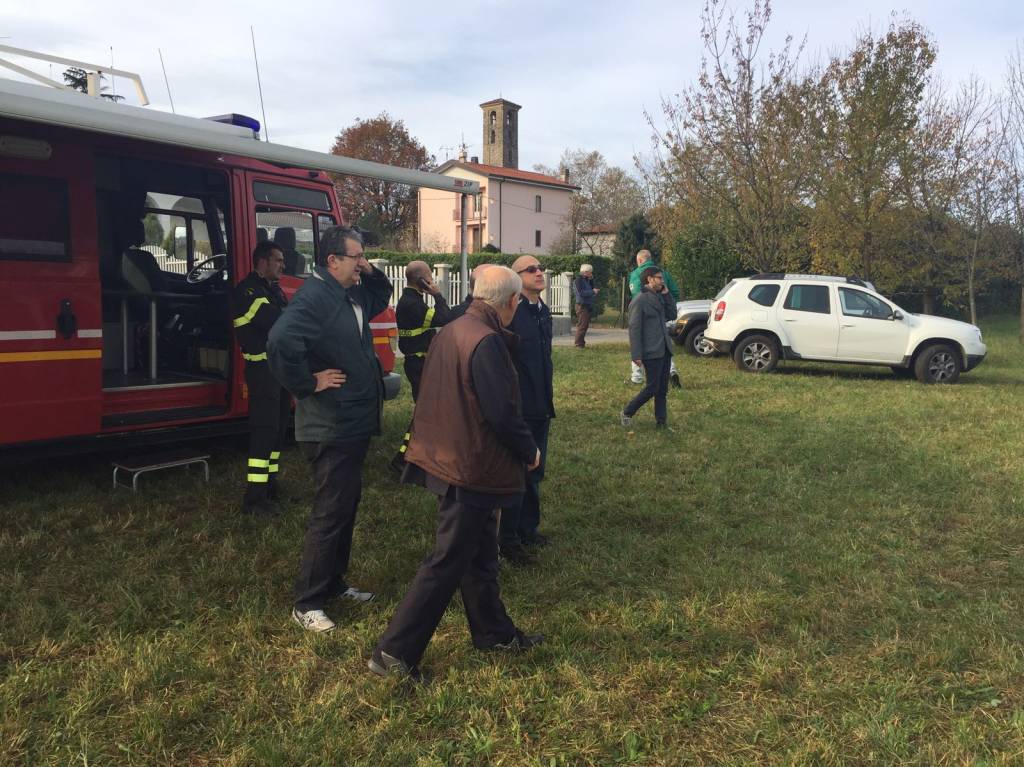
321 350
532 359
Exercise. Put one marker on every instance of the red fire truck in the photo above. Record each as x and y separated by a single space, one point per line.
122 231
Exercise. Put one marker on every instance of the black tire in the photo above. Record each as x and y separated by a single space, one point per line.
756 354
938 364
902 372
694 343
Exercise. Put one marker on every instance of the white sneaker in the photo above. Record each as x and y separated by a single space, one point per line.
313 620
356 595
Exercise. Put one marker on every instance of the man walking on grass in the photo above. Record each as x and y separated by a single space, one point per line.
650 346
321 350
471 448
585 293
644 259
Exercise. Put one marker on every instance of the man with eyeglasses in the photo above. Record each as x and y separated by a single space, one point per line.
257 303
322 352
532 359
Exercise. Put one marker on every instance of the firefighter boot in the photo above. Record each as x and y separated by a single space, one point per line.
256 501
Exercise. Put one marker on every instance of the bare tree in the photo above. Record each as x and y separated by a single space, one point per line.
1014 171
737 139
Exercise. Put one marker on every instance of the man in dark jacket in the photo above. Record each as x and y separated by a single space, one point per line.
471 448
532 358
650 345
322 352
257 302
585 293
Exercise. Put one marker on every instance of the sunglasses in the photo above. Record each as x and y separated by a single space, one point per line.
530 269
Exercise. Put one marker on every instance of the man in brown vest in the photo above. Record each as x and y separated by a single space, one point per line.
471 448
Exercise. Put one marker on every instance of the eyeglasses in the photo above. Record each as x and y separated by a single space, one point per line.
531 269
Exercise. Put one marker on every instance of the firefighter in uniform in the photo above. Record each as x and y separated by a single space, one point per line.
257 302
417 326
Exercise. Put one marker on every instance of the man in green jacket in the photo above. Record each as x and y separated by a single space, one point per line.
321 350
644 259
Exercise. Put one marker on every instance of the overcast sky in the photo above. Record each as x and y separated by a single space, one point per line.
584 72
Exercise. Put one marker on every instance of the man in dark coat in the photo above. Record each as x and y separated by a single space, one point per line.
585 293
257 303
470 447
650 345
321 350
532 358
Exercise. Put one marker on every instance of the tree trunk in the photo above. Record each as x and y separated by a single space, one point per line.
1021 334
622 303
928 302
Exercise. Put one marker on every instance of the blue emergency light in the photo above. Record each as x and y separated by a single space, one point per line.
242 121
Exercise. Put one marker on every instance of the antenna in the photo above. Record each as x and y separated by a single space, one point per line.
259 84
113 80
166 81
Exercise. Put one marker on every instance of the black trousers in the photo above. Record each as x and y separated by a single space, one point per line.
269 410
465 557
519 523
414 372
657 369
338 479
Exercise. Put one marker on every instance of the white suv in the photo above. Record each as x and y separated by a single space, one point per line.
768 317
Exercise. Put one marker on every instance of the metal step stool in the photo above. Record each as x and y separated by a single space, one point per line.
141 464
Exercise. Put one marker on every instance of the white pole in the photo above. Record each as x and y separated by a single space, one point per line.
464 270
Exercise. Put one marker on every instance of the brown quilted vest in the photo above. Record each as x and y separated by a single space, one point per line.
450 438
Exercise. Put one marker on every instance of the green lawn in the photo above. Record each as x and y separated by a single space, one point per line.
820 566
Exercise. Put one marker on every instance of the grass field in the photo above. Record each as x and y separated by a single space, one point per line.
820 566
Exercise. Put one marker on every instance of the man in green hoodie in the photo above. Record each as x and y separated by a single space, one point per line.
644 259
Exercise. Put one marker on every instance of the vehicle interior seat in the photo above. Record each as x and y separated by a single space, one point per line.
261 234
294 262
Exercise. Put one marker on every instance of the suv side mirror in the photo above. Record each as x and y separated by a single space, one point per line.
897 314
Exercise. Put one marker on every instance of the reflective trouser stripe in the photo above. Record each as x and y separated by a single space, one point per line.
405 442
254 357
258 468
275 456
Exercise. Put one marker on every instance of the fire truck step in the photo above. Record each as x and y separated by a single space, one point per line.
137 465
115 420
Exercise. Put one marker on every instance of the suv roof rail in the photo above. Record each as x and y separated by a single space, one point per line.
857 281
768 276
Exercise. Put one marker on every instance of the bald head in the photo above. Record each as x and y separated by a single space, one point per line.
642 257
416 271
522 262
477 271
532 273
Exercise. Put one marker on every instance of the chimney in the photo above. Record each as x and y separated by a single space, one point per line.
564 175
475 159
462 153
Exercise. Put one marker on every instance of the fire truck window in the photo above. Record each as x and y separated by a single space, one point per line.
299 197
34 219
293 231
167 240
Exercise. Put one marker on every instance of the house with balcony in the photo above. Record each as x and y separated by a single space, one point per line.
517 211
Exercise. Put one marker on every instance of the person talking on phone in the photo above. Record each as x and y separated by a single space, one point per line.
417 322
417 326
321 350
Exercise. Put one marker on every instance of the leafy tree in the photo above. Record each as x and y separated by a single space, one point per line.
635 234
867 108
701 256
78 79
383 207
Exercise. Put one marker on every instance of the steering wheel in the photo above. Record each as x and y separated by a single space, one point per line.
207 269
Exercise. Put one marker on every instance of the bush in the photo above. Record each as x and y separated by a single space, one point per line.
557 264
701 258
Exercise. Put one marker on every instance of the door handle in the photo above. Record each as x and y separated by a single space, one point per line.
847 326
789 319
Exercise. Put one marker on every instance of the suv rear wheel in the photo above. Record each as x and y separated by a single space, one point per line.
938 364
695 343
756 354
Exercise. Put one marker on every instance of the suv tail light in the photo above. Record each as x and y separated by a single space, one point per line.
719 311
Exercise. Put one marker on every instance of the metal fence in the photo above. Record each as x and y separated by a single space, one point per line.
557 292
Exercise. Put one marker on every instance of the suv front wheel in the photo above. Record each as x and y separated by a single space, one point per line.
756 354
938 364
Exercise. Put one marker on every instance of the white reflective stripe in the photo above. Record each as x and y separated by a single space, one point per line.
26 335
383 325
91 333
